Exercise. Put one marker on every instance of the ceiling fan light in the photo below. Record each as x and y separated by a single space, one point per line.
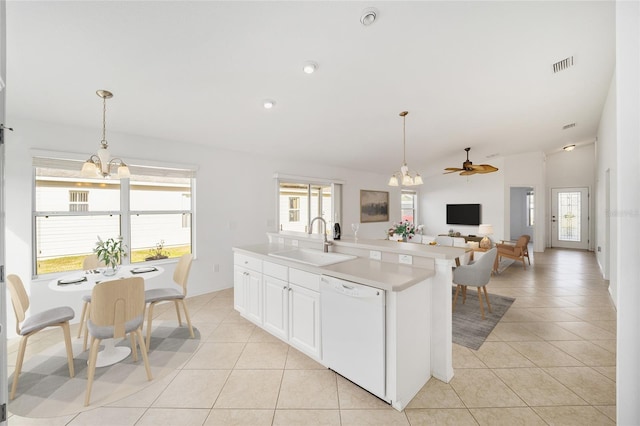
393 181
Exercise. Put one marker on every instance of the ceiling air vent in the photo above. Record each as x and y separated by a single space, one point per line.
568 126
563 64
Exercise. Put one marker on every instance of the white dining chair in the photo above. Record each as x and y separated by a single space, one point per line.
117 309
91 262
444 240
28 326
171 294
462 243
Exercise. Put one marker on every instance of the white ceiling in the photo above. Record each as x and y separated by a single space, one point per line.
475 74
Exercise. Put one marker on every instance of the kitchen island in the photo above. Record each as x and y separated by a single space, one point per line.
290 299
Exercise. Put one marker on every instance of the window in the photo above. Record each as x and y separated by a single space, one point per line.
294 209
530 209
300 202
78 201
153 206
408 202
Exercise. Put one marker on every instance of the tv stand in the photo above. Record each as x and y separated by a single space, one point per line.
467 238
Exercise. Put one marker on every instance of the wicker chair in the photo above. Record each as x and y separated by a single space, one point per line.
517 251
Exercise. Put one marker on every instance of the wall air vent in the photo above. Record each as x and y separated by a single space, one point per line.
563 64
568 126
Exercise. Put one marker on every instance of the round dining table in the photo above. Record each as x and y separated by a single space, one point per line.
82 282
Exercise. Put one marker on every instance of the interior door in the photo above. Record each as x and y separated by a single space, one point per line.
570 218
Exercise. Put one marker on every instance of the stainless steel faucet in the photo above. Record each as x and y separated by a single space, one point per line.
325 244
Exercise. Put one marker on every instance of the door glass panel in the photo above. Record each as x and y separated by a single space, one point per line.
569 204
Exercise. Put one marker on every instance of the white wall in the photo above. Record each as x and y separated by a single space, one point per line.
606 191
573 169
483 189
235 198
628 210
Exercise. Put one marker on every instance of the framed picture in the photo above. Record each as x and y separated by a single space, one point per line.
374 206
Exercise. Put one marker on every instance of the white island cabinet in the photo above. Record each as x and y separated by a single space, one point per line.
416 336
276 300
247 296
283 301
304 312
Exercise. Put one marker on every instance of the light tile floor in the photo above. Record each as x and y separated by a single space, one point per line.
550 360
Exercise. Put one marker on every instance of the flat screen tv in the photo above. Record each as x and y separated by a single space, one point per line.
463 214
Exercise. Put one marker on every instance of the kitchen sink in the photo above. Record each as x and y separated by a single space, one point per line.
312 257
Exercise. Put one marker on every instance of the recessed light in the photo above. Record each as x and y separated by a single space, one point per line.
569 147
310 67
268 104
369 16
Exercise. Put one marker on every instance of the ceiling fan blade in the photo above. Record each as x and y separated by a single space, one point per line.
451 170
487 168
475 166
468 173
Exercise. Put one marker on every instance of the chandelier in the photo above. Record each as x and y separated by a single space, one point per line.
101 163
405 177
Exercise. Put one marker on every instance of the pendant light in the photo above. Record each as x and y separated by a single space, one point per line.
101 163
405 177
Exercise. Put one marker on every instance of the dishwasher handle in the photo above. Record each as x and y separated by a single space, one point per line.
351 289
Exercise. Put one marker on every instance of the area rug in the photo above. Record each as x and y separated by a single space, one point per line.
504 264
469 329
46 390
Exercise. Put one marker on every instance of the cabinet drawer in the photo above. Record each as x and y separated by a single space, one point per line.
247 262
274 270
304 279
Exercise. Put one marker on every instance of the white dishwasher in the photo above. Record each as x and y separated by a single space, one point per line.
353 332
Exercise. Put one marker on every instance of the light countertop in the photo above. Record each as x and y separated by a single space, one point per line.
374 273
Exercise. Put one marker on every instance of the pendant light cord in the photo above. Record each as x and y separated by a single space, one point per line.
404 140
104 122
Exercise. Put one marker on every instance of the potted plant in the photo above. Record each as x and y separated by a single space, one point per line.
158 252
110 252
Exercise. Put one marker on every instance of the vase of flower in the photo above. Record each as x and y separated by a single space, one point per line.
403 230
110 271
110 252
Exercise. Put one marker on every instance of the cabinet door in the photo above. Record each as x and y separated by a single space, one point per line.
276 309
239 289
254 296
304 320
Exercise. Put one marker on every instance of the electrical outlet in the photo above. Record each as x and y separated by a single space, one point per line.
280 240
405 258
374 254
599 248
294 243
216 268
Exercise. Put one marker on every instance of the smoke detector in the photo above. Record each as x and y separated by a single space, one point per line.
369 16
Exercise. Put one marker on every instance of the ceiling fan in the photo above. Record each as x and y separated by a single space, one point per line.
468 168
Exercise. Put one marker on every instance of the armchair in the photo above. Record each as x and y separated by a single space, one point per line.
517 251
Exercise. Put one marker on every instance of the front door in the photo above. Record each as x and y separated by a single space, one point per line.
570 218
